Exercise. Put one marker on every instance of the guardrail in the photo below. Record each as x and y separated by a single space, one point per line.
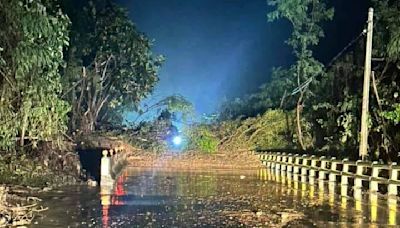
377 212
112 163
310 168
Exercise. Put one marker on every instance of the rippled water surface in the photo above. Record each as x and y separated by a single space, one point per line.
171 198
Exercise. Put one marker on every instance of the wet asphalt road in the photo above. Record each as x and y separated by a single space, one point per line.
173 198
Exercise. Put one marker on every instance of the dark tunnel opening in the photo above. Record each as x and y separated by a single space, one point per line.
91 161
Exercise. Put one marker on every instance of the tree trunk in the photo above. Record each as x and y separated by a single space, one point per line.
23 129
86 125
299 108
289 136
73 111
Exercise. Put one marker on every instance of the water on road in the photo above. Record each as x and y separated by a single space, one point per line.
172 198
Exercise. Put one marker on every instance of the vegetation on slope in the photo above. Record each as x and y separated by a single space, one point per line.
330 97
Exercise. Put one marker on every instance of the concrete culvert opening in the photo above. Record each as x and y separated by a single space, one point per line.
91 160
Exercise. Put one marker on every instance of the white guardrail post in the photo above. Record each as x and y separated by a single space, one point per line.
311 167
105 168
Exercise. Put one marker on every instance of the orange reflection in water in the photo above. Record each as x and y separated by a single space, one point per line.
105 216
119 191
110 196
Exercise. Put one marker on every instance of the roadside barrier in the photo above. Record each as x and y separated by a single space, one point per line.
379 213
309 168
112 163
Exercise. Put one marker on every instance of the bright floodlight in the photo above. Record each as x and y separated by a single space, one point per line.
177 140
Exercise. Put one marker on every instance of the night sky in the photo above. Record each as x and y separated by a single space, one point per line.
219 49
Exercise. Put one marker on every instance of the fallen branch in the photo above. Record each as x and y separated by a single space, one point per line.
16 214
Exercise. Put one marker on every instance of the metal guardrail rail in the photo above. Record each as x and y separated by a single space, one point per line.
335 170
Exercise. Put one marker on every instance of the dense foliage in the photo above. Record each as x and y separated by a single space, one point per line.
329 98
78 66
77 62
176 105
32 37
305 16
110 66
201 137
273 129
65 67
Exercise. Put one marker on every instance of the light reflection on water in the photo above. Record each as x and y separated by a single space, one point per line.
356 209
171 198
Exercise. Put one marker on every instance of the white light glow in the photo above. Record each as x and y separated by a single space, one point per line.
177 140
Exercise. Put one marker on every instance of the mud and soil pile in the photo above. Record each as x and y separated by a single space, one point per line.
196 160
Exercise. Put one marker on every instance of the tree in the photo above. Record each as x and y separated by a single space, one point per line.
337 109
387 72
387 34
276 93
174 104
32 37
305 17
110 63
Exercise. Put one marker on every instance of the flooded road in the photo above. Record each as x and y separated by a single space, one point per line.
171 198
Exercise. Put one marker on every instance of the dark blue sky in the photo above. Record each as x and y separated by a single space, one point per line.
225 48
